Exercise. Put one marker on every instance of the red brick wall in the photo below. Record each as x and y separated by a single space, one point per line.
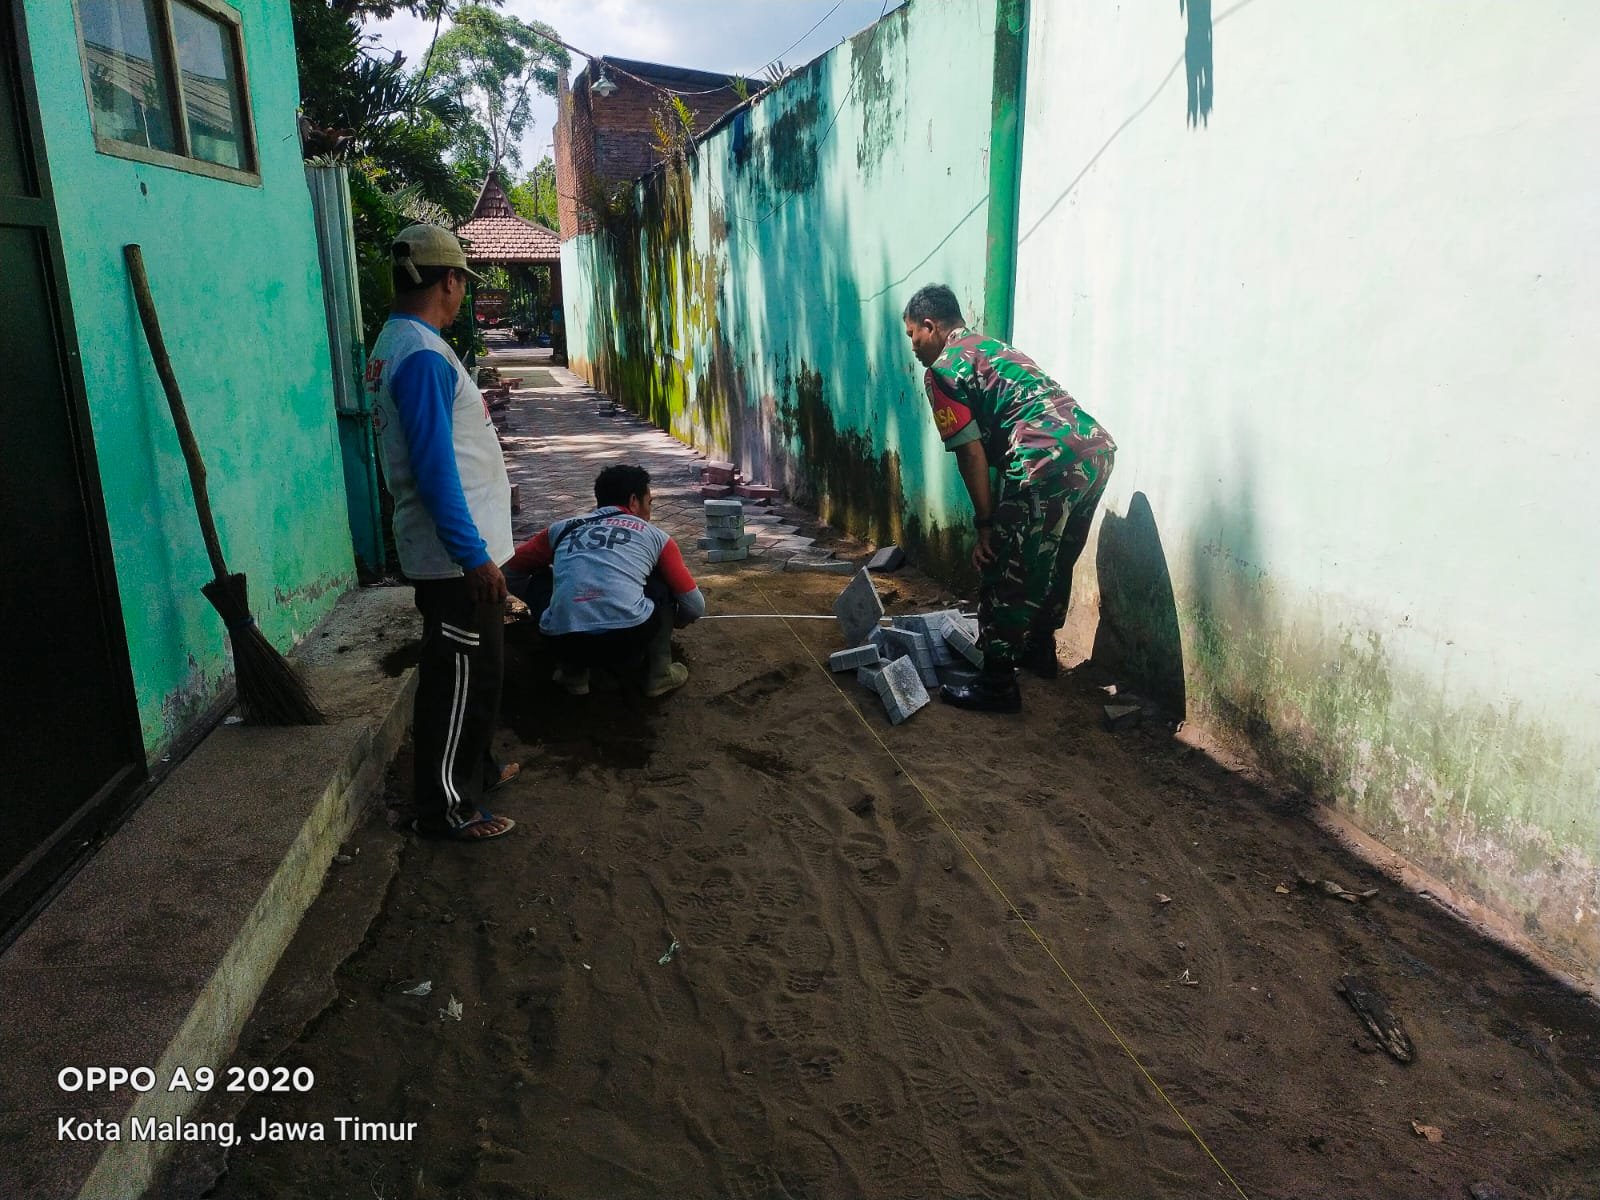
613 138
574 138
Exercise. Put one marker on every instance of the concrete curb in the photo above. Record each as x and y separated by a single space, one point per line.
156 952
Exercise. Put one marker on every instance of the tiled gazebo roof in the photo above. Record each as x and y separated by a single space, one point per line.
496 235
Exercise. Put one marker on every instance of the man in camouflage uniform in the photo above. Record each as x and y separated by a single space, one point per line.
995 408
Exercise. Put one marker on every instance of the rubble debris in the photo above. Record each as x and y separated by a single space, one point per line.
1375 1014
1337 889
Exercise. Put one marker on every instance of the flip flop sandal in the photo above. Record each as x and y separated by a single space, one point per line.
507 773
485 828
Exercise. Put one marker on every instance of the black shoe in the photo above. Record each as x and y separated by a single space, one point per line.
1040 659
987 693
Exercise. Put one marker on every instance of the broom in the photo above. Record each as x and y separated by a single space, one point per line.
270 690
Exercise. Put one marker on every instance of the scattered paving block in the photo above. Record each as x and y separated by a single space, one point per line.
858 608
742 542
871 677
856 656
727 555
888 558
931 627
724 508
880 639
1123 716
756 491
903 691
820 566
715 492
910 644
718 473
794 543
963 638
516 497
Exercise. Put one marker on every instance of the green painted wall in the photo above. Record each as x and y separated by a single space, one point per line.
750 300
235 277
1341 322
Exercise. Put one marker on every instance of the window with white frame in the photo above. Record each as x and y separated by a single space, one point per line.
167 84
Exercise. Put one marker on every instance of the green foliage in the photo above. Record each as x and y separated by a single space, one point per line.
740 86
673 126
492 63
534 199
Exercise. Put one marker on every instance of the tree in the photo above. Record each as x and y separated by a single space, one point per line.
535 197
492 62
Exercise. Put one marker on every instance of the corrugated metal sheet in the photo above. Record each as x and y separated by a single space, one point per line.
336 248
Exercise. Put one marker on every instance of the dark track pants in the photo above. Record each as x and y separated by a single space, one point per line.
458 702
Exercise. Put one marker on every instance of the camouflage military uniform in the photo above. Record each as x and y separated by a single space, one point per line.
1052 459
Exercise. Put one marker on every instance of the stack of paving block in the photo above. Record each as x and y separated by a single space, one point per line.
717 480
726 540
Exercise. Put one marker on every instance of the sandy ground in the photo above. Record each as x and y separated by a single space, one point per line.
853 1008
965 956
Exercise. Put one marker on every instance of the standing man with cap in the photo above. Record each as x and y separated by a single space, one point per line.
452 527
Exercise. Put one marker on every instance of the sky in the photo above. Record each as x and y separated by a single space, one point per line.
732 36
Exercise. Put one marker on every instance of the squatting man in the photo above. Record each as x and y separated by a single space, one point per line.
609 587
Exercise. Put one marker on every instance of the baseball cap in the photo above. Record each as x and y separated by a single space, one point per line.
429 246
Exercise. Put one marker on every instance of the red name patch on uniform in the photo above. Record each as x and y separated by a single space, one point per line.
950 416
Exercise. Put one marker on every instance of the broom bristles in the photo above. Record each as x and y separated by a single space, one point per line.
271 691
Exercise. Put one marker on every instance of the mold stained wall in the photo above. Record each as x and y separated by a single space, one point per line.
234 272
1326 274
750 301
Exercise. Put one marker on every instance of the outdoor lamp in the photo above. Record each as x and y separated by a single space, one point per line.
603 86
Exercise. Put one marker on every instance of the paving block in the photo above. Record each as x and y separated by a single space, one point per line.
1123 716
756 491
880 639
903 691
715 491
516 497
871 677
820 566
718 542
734 523
858 608
724 508
856 656
963 638
718 473
888 558
908 643
727 555
795 543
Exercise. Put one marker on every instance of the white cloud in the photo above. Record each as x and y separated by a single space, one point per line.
732 36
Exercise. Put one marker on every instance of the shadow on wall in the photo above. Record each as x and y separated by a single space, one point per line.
1197 59
1138 628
